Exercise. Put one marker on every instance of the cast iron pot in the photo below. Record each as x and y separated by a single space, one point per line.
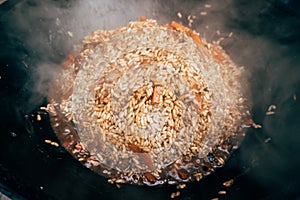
36 35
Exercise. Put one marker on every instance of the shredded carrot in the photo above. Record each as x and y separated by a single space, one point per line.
197 39
180 27
69 61
198 97
182 173
248 122
143 18
217 54
156 94
191 33
150 177
145 157
135 148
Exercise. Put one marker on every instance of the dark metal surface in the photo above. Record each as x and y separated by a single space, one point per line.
265 40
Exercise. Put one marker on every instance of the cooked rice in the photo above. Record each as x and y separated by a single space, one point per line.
150 104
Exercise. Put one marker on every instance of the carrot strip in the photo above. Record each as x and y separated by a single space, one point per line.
69 61
191 33
143 18
145 157
180 27
135 148
218 55
150 177
156 94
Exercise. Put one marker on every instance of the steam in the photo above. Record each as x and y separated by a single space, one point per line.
50 30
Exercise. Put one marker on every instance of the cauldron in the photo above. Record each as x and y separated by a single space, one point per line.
37 36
